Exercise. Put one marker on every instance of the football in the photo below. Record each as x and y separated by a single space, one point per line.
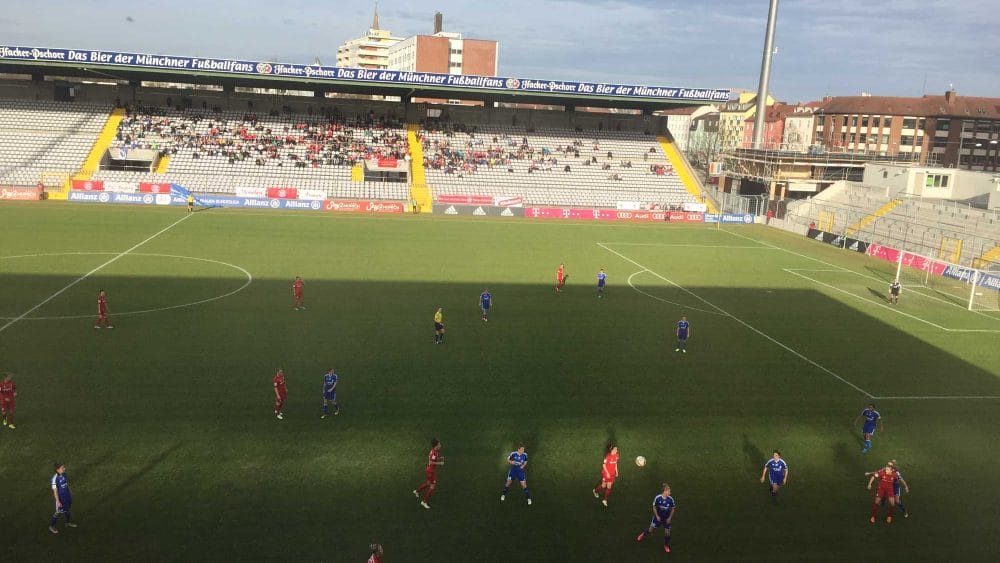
640 461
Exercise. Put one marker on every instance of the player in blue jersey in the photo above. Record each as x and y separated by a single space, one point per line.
663 514
63 498
601 279
485 302
872 417
517 460
776 472
330 392
683 331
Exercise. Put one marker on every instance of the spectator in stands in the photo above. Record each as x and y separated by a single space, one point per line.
566 169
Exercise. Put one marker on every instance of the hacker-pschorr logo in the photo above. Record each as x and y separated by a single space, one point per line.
506 212
451 210
853 246
819 236
478 211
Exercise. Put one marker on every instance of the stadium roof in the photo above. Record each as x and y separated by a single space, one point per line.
112 65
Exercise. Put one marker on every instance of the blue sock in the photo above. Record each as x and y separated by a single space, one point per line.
666 541
527 493
324 408
505 489
868 444
55 518
901 507
67 517
336 407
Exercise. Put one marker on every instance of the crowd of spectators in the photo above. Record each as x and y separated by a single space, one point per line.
332 140
464 151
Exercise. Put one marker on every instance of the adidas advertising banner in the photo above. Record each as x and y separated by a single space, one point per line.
839 241
478 210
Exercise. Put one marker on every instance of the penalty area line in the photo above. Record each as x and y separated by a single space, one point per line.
650 295
92 272
768 337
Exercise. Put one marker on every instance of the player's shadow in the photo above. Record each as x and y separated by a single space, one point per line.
881 296
851 458
753 457
142 472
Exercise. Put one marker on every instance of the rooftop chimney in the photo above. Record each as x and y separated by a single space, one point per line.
438 22
950 96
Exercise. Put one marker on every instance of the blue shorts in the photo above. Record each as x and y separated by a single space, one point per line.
654 523
776 479
330 395
600 284
66 504
516 474
897 490
485 307
868 429
682 336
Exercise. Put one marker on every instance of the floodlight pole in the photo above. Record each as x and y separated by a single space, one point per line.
765 75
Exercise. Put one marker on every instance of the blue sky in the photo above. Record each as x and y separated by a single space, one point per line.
825 47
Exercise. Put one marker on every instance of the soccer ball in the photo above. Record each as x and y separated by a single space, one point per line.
640 461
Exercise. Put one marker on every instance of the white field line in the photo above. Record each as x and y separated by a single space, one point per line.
248 281
937 397
795 271
843 269
650 295
90 273
682 245
773 340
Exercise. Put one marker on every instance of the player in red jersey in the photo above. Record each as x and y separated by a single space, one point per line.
434 459
561 277
376 556
102 311
609 472
8 404
280 393
297 292
887 478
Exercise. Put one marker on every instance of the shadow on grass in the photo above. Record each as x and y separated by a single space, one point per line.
878 294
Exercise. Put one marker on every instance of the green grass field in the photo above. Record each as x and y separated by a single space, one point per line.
165 422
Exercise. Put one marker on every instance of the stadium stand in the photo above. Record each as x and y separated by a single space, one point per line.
42 136
550 166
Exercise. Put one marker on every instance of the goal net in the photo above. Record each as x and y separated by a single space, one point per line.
974 289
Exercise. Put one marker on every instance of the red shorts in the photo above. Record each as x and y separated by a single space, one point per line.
8 404
432 476
281 398
885 491
609 479
298 295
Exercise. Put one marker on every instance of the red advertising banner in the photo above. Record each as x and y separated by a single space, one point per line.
148 188
387 162
11 193
282 193
593 214
685 217
466 199
362 206
88 185
925 264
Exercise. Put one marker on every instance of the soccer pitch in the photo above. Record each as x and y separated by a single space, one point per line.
172 452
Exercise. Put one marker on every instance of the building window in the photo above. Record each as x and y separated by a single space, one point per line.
943 124
906 140
864 121
909 123
940 142
862 138
920 123
887 122
456 65
885 139
854 121
456 51
937 181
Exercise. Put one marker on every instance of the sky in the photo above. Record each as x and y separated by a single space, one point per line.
824 47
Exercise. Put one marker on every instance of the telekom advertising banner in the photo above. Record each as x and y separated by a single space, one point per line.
921 263
282 193
11 193
150 188
883 252
362 206
88 185
466 199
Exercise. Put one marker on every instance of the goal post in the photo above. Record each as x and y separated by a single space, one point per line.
973 289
